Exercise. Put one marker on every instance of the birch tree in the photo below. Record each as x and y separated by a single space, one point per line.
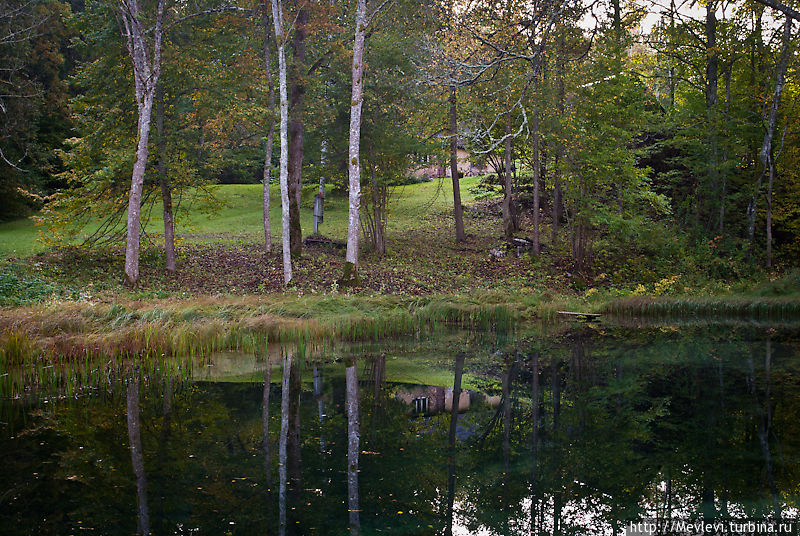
767 156
146 72
354 163
271 131
277 19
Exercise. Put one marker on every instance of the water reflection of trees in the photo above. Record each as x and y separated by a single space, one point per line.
590 431
679 427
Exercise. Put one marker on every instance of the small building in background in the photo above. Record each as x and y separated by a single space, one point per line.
432 399
432 168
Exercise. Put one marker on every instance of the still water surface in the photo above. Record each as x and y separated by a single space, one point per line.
575 432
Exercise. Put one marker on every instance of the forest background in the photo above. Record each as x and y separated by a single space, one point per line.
632 149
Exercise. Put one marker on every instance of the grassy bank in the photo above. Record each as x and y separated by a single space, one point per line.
200 326
203 326
69 302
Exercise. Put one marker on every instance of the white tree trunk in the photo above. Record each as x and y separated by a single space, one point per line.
277 18
135 197
772 121
270 133
354 162
145 74
766 150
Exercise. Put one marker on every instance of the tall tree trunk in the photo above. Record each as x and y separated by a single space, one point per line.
537 164
137 458
146 72
724 170
773 121
766 147
351 403
354 157
271 131
712 80
163 180
378 203
458 212
508 209
671 72
277 19
558 147
617 24
296 139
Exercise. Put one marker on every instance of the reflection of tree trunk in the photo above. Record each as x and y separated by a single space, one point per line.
137 458
166 430
351 376
766 429
556 378
668 497
380 370
507 418
558 502
707 498
534 438
265 426
765 420
451 442
317 377
723 507
282 473
293 462
507 379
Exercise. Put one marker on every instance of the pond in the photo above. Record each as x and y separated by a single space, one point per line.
577 431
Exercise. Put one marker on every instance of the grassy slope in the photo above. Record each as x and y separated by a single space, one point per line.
18 239
227 290
240 216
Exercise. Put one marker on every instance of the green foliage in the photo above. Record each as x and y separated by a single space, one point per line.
18 287
788 285
34 119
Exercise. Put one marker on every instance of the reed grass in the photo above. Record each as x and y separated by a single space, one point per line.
200 328
759 308
36 378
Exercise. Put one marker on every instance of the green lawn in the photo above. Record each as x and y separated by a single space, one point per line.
240 216
18 239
